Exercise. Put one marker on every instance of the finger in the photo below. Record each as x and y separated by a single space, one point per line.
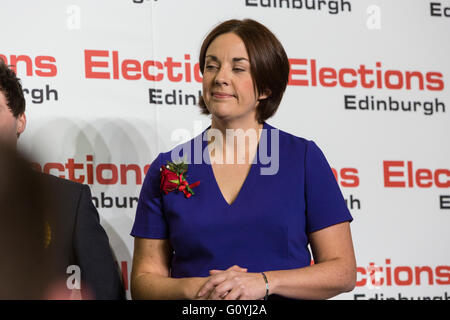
205 290
244 296
211 272
233 268
237 268
212 295
211 283
217 296
234 294
222 289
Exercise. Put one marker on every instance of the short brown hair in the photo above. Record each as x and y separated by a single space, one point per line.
269 64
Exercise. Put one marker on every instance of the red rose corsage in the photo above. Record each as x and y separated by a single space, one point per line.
173 177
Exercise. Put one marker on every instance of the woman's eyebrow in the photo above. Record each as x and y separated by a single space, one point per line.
236 59
214 58
239 59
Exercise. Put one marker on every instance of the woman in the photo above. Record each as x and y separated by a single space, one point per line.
238 233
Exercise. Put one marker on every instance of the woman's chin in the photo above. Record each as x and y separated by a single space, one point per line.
223 116
222 112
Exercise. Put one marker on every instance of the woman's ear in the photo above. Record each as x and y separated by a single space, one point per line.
265 94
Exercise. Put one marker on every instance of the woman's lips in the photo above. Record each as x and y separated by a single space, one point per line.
221 95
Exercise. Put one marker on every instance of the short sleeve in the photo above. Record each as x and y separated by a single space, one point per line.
150 221
325 205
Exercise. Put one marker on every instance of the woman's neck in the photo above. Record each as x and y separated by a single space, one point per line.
237 137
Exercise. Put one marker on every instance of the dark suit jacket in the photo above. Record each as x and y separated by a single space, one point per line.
77 238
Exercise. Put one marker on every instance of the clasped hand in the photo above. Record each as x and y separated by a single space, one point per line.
235 283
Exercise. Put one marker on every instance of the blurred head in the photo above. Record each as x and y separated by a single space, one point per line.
12 106
245 71
25 262
32 263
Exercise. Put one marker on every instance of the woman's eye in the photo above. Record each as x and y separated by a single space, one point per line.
210 67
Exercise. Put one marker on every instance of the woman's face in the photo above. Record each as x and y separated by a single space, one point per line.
228 89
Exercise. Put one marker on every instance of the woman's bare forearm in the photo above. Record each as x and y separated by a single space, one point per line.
157 287
319 281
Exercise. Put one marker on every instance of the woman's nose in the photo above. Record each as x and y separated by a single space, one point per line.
222 77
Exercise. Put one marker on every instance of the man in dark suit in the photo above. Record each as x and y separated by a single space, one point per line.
74 232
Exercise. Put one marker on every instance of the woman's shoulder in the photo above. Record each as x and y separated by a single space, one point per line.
183 151
289 141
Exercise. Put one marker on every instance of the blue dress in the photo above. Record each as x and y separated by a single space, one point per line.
265 228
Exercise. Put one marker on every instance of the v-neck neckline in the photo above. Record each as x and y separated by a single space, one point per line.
253 167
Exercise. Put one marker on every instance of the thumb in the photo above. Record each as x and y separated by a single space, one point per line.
237 268
211 272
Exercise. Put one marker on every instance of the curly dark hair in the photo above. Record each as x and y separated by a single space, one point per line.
12 89
269 63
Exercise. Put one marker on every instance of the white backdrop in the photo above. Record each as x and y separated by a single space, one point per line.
101 78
